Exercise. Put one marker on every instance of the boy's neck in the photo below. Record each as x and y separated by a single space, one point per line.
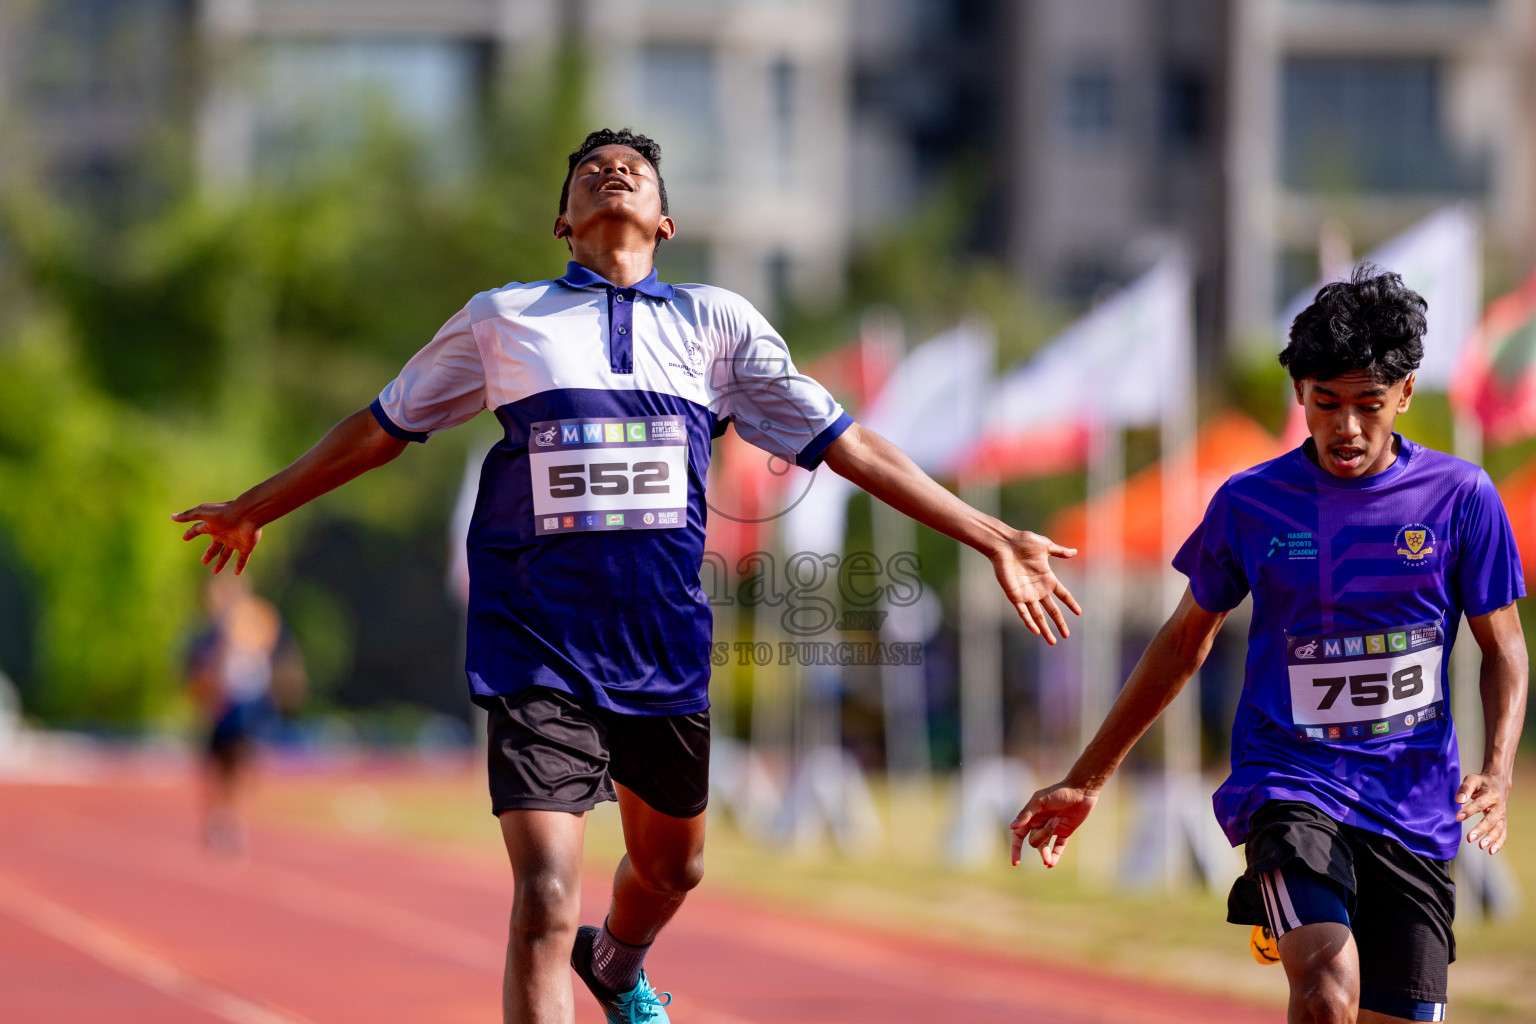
620 267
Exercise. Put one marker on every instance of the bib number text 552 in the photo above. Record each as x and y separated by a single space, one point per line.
610 479
604 479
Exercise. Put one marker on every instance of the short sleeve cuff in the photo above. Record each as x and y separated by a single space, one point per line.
1212 595
1215 600
391 427
810 455
1492 604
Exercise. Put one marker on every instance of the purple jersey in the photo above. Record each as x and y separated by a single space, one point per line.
1358 588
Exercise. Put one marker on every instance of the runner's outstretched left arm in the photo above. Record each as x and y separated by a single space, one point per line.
1176 653
1503 683
1022 560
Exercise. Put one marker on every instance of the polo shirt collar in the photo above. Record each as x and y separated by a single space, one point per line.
578 276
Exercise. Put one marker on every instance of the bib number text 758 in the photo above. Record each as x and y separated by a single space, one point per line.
1370 689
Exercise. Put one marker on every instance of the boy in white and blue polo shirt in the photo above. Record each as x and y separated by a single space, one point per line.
589 634
588 533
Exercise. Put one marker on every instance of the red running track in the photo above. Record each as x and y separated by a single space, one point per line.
111 913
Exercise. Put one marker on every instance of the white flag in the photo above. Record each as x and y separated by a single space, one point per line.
1440 257
818 520
1121 365
931 407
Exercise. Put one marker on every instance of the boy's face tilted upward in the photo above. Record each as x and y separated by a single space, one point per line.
1350 418
613 193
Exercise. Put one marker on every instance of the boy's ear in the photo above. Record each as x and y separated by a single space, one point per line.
666 229
562 227
1407 397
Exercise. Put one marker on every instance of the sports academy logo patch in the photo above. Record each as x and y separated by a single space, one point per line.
1415 542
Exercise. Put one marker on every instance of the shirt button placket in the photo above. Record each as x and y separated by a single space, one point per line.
620 343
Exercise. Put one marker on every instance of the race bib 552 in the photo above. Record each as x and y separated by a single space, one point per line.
1365 684
608 473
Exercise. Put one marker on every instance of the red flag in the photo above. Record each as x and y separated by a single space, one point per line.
1518 490
1497 379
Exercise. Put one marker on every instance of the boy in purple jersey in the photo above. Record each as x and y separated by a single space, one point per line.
589 635
1362 551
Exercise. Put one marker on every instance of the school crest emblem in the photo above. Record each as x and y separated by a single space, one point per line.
1415 543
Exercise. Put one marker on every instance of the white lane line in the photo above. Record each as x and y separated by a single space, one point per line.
109 947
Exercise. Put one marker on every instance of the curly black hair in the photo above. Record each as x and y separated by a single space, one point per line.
1372 323
646 147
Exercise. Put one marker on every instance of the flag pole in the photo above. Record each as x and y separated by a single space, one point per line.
981 663
1100 650
1181 721
990 783
1485 886
1466 710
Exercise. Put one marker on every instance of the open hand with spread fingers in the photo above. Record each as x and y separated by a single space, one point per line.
1049 819
1023 567
230 532
1488 794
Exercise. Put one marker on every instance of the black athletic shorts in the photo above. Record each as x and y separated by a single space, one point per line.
1399 904
550 751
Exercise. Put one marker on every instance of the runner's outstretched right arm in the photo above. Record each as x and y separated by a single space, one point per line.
1175 654
351 448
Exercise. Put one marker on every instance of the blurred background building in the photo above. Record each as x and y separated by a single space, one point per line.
1117 150
1096 134
1350 119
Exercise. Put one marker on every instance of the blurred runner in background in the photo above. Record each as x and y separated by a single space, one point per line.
241 670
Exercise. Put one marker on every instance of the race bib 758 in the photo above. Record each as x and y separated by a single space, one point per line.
607 473
1365 684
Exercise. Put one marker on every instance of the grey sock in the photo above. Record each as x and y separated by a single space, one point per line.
616 965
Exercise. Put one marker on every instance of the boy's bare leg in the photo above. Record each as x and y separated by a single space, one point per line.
544 848
665 859
1323 968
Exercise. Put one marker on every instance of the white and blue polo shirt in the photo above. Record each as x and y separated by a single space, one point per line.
588 531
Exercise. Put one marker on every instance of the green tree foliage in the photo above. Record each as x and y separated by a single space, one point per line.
177 355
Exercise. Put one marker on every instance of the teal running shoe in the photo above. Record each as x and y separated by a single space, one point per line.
640 1005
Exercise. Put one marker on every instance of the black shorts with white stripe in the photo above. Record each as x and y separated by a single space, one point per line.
1306 868
1296 895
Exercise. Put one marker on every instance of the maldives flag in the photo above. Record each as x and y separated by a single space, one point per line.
1497 379
1519 493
